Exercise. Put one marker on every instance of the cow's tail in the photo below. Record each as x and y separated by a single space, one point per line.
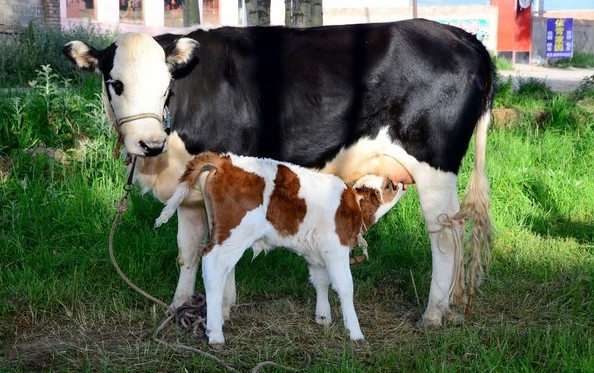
190 181
475 207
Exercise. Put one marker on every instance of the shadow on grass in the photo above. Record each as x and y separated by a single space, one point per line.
554 222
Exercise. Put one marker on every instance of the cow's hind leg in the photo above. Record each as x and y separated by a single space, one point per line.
191 234
439 205
320 280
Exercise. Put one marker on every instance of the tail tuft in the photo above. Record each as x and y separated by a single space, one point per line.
180 193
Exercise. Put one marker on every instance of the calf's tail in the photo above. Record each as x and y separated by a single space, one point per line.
180 193
189 181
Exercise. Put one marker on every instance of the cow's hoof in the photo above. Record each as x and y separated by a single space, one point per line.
455 318
427 324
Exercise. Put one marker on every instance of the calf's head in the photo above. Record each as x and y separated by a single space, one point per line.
376 195
136 73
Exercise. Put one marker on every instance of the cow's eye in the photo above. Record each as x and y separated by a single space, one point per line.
118 86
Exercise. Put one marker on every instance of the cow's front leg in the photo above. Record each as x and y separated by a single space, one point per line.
439 204
320 281
191 234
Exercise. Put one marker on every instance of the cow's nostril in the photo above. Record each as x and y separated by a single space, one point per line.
152 148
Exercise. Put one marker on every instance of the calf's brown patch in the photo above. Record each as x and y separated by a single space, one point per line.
232 192
286 210
369 202
348 218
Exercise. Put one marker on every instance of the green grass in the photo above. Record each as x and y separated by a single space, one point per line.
34 46
64 308
578 60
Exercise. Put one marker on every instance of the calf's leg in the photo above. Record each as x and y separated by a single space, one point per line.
339 271
216 266
320 281
230 294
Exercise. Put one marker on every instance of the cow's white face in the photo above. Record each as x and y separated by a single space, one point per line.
136 74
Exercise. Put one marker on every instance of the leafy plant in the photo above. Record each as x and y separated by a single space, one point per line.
585 89
579 59
34 45
50 113
63 308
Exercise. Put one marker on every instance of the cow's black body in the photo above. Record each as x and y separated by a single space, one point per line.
300 95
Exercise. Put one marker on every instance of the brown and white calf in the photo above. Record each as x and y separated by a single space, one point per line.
261 203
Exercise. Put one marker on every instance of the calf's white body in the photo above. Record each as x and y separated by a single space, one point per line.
261 203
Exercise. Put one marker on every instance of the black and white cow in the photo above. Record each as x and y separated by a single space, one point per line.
397 99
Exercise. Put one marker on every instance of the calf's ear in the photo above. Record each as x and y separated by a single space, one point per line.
376 197
180 53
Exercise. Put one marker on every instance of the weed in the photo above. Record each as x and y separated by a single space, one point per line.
502 63
63 308
49 113
585 89
34 45
533 88
579 59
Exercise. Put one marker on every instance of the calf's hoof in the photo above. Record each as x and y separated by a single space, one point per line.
360 343
216 346
323 320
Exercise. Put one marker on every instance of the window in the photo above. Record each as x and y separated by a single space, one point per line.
131 11
174 13
80 9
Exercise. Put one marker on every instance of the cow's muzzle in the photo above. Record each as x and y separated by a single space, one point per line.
150 148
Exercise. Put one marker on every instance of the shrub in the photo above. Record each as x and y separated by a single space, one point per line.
33 45
50 113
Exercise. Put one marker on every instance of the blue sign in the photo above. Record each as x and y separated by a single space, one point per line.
559 38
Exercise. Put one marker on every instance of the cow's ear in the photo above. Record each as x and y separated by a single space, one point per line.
180 53
82 55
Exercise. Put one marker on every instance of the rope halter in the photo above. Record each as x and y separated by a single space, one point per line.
165 120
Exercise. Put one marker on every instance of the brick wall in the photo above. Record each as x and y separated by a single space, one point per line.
25 11
51 10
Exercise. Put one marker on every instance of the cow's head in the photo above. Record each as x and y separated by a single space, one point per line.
136 74
377 194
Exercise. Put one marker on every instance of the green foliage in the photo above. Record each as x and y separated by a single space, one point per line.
502 63
35 45
579 59
533 88
585 89
59 291
50 113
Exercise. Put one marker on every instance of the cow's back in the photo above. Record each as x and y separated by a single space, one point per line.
300 95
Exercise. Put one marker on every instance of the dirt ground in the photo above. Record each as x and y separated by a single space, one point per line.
559 79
